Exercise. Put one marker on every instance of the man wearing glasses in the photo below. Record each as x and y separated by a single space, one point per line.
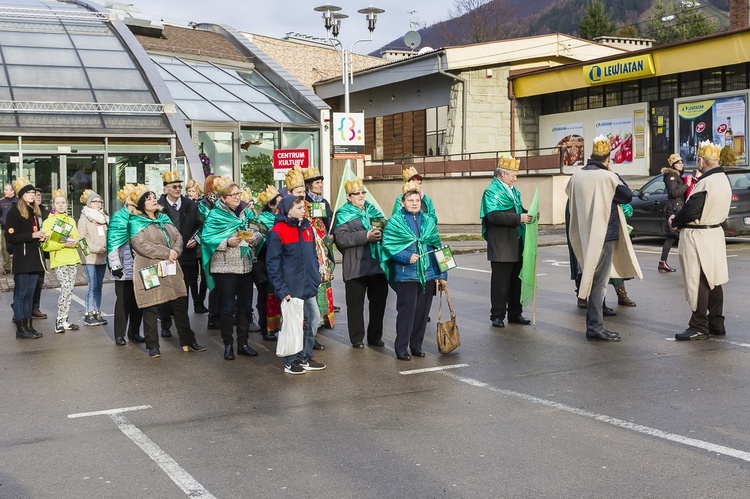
184 215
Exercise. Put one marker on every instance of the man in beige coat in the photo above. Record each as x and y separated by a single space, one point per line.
702 250
598 234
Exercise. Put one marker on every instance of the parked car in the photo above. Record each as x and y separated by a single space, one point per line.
648 206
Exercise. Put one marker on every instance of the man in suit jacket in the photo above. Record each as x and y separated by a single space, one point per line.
503 218
183 212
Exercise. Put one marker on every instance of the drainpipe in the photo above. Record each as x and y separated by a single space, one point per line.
512 97
464 102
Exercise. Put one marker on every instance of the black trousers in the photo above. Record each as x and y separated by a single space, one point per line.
181 320
203 288
708 316
38 291
234 288
190 276
260 278
505 290
376 289
127 314
412 308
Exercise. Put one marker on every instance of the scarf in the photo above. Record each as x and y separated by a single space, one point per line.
349 212
497 197
398 236
96 216
140 222
117 235
221 224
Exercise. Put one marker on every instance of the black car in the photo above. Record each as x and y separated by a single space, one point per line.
648 203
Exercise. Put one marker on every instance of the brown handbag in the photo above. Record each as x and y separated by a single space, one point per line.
448 338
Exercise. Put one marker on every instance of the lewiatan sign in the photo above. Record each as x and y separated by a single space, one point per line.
619 69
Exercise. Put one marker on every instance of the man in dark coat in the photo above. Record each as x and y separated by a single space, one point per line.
183 212
503 218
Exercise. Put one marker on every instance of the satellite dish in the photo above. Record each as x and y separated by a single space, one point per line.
412 39
424 50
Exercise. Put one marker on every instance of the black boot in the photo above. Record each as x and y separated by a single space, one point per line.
22 333
30 327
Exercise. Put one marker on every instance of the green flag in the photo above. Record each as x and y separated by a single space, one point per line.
348 174
530 245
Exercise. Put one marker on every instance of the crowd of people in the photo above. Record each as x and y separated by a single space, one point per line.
222 242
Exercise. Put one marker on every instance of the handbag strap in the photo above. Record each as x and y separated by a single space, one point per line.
447 298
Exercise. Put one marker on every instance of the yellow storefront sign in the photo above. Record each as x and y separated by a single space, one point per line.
618 70
691 110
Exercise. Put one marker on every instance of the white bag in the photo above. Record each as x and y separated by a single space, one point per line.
291 335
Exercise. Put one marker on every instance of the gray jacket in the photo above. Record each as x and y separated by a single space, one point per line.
351 240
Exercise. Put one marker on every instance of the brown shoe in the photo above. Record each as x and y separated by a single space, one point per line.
38 314
622 297
664 267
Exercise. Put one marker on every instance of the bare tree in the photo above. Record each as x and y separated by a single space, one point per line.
475 21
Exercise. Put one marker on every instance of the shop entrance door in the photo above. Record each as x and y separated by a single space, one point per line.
661 119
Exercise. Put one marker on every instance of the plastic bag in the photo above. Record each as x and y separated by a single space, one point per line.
291 335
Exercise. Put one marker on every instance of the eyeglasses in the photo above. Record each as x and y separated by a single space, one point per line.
358 193
234 195
176 186
96 201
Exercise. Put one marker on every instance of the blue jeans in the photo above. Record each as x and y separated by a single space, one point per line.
309 329
23 295
95 276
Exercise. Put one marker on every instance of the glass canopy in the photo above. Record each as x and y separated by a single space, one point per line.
205 91
63 67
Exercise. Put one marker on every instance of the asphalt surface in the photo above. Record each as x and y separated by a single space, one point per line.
522 411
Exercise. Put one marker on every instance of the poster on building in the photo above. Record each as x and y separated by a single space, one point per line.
619 131
153 177
722 121
349 135
569 137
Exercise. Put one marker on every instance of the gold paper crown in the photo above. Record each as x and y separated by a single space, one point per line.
508 163
709 150
123 193
193 184
170 177
353 186
247 196
20 182
59 193
294 178
602 146
85 195
221 183
312 173
410 186
410 173
137 193
270 193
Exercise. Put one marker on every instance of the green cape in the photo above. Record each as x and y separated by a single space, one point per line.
117 233
349 212
140 222
497 198
398 236
221 224
266 219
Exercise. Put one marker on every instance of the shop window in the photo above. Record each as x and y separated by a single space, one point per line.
564 101
649 90
630 93
612 95
690 84
256 157
218 148
735 77
136 168
668 87
596 97
711 79
549 103
580 100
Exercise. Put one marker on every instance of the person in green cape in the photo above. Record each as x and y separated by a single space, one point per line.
503 218
205 205
357 230
227 253
409 241
157 244
120 260
412 175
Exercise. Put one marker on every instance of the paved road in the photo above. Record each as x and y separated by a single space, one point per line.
515 412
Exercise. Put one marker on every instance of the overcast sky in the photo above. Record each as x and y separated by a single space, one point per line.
277 17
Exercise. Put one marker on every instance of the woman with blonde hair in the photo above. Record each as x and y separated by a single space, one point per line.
193 190
92 226
63 256
23 234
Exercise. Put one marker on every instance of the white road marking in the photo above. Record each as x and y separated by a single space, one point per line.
646 430
673 254
177 473
475 270
735 343
433 369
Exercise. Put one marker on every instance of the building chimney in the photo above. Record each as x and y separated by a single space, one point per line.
738 14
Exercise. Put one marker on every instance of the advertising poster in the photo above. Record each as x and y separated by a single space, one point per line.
721 121
349 136
570 138
620 134
154 181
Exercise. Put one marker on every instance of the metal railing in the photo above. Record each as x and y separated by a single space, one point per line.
546 159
